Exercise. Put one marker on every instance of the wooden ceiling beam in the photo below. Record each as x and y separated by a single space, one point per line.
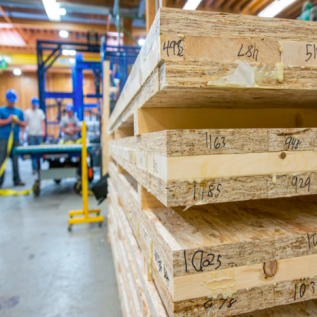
227 6
238 6
75 27
208 4
15 27
218 4
252 7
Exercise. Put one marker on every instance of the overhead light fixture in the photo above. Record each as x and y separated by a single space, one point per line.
62 11
6 26
17 72
64 34
191 4
69 52
141 41
275 8
52 10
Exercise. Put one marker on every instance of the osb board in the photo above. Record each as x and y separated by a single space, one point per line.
278 180
132 283
194 142
126 305
273 229
130 253
208 57
239 302
304 309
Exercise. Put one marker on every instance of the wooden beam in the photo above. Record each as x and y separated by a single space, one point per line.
227 6
252 7
124 132
147 200
79 27
17 28
149 13
149 120
238 5
218 4
208 4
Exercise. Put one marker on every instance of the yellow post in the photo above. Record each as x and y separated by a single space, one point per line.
84 181
84 172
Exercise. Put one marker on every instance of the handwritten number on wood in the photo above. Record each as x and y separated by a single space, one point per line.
313 286
211 189
209 303
299 183
173 46
292 143
219 142
251 52
300 293
309 49
204 262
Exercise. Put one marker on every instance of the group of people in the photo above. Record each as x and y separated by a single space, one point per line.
34 119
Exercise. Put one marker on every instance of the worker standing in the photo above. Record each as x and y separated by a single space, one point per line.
70 124
35 119
8 114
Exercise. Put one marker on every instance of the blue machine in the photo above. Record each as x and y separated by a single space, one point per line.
120 57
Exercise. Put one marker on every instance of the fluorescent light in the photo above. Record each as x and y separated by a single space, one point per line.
6 26
62 11
17 72
275 8
141 42
52 10
69 52
191 4
64 34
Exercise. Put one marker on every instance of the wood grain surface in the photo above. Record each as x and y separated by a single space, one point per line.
208 59
231 304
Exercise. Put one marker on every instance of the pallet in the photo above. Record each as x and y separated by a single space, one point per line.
220 61
195 167
218 254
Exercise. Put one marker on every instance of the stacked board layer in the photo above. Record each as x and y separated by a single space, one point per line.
194 167
205 59
223 259
213 168
134 298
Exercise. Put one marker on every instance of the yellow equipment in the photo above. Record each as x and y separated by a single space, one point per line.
84 177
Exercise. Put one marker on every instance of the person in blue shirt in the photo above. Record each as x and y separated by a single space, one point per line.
7 114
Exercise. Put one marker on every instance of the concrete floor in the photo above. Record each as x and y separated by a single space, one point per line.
45 271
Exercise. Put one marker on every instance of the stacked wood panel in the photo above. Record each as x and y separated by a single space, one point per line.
212 205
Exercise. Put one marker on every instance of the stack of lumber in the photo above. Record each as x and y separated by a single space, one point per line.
216 119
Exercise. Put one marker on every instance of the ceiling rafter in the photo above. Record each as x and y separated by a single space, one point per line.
17 28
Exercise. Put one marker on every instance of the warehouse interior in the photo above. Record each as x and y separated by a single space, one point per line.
157 158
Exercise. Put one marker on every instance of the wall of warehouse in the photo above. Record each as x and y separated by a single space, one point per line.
26 87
